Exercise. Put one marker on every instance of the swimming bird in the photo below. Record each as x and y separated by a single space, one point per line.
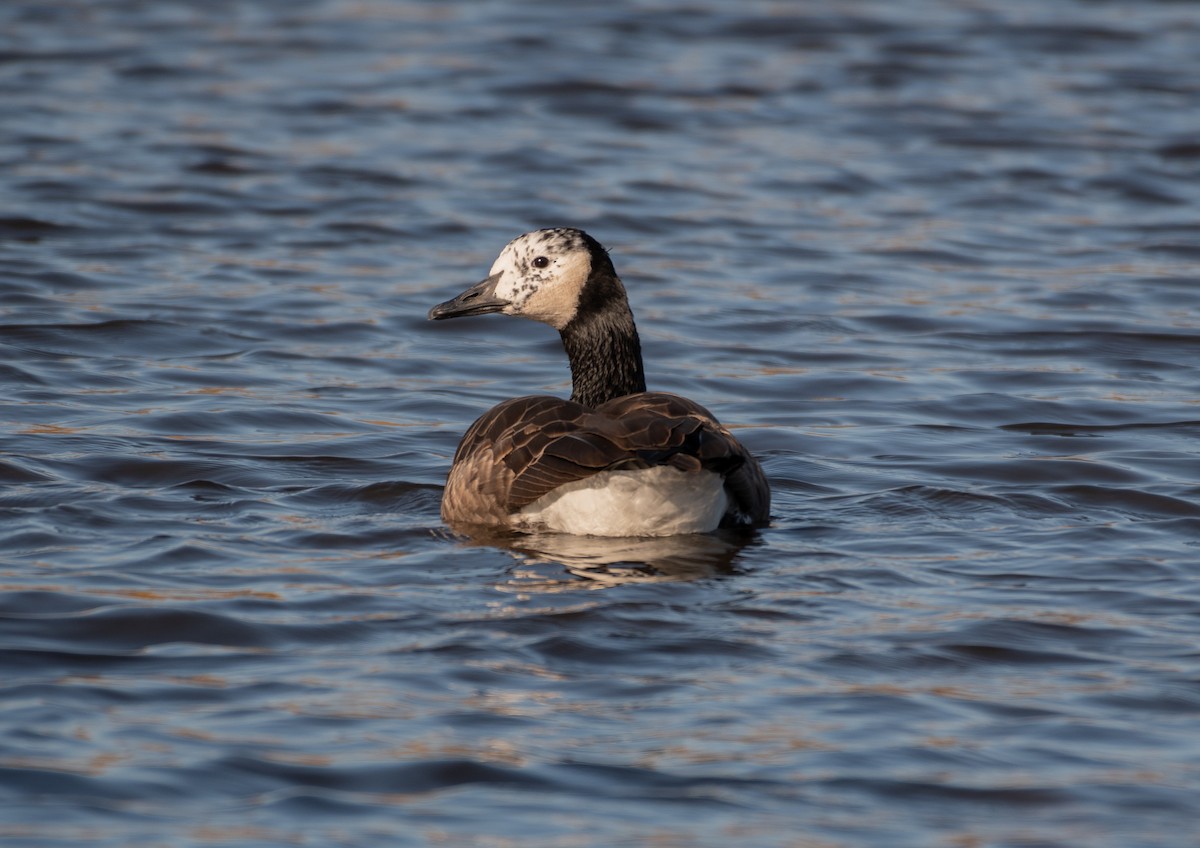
615 459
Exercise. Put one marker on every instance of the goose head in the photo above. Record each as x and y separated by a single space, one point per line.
543 275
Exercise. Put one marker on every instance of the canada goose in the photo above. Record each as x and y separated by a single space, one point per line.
614 460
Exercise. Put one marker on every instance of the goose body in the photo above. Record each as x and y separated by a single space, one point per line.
614 460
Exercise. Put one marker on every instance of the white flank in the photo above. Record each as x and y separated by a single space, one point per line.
661 501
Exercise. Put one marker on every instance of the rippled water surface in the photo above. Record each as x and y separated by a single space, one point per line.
936 261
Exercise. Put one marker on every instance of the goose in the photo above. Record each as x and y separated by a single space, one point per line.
615 459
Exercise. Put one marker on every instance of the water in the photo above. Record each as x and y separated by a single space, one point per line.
937 261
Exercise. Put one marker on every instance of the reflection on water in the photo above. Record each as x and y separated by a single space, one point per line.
612 561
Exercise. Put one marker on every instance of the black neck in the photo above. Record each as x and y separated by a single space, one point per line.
602 345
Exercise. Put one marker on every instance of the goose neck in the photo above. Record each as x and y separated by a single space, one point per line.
605 356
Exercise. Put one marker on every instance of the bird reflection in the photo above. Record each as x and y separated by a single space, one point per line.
611 561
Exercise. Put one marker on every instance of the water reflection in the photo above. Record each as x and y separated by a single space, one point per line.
611 561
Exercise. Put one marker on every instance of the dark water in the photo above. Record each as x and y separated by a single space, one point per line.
938 260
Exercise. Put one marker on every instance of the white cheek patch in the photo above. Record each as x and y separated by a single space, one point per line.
549 294
511 289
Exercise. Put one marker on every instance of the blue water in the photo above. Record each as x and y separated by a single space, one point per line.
936 262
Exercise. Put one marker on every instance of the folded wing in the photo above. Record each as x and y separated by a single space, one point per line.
526 447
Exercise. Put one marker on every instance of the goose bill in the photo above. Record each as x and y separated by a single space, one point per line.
479 299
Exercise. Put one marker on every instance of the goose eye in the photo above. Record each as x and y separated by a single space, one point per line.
541 262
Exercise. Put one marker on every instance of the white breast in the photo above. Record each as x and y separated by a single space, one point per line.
661 501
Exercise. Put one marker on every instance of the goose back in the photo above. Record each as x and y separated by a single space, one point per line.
525 448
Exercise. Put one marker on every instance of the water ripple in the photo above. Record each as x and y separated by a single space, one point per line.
935 264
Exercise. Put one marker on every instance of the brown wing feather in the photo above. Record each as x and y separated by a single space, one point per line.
518 451
712 445
525 447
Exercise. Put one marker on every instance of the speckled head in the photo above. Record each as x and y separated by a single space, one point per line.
540 275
